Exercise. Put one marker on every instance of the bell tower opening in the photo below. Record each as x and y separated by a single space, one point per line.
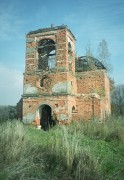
46 54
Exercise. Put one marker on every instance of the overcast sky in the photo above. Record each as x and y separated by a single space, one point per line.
89 20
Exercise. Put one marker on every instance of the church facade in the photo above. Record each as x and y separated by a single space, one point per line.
59 85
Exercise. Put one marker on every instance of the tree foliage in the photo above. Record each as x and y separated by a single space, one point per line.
8 112
117 100
3 112
112 84
12 112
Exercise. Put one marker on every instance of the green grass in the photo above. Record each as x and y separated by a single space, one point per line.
80 150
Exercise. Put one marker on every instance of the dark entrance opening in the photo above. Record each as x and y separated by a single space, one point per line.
46 120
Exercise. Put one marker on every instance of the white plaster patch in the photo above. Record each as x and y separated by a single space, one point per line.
63 117
62 87
28 89
29 118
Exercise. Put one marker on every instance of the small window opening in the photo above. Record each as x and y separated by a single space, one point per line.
69 48
73 109
70 56
70 66
42 81
56 105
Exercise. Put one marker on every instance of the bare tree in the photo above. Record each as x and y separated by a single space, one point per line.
103 54
89 55
112 84
88 50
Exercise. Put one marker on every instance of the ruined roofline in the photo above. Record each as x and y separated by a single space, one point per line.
97 62
51 29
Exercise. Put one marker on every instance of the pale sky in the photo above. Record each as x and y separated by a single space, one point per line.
89 20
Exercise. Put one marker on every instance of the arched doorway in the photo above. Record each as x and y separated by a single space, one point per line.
45 116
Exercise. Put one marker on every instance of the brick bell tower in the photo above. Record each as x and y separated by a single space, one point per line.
49 78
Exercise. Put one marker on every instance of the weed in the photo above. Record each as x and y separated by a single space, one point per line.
81 150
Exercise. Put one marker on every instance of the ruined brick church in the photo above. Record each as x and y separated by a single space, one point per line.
59 85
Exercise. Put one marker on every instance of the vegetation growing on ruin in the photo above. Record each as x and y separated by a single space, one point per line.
99 91
80 150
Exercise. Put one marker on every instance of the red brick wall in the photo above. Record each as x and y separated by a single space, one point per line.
61 106
95 82
91 82
19 109
60 37
87 108
87 95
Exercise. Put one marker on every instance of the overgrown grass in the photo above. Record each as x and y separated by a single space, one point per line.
81 150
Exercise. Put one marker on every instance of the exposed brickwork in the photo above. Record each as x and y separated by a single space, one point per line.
66 94
19 109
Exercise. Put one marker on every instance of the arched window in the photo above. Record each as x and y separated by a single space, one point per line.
42 81
69 48
73 108
70 56
46 54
